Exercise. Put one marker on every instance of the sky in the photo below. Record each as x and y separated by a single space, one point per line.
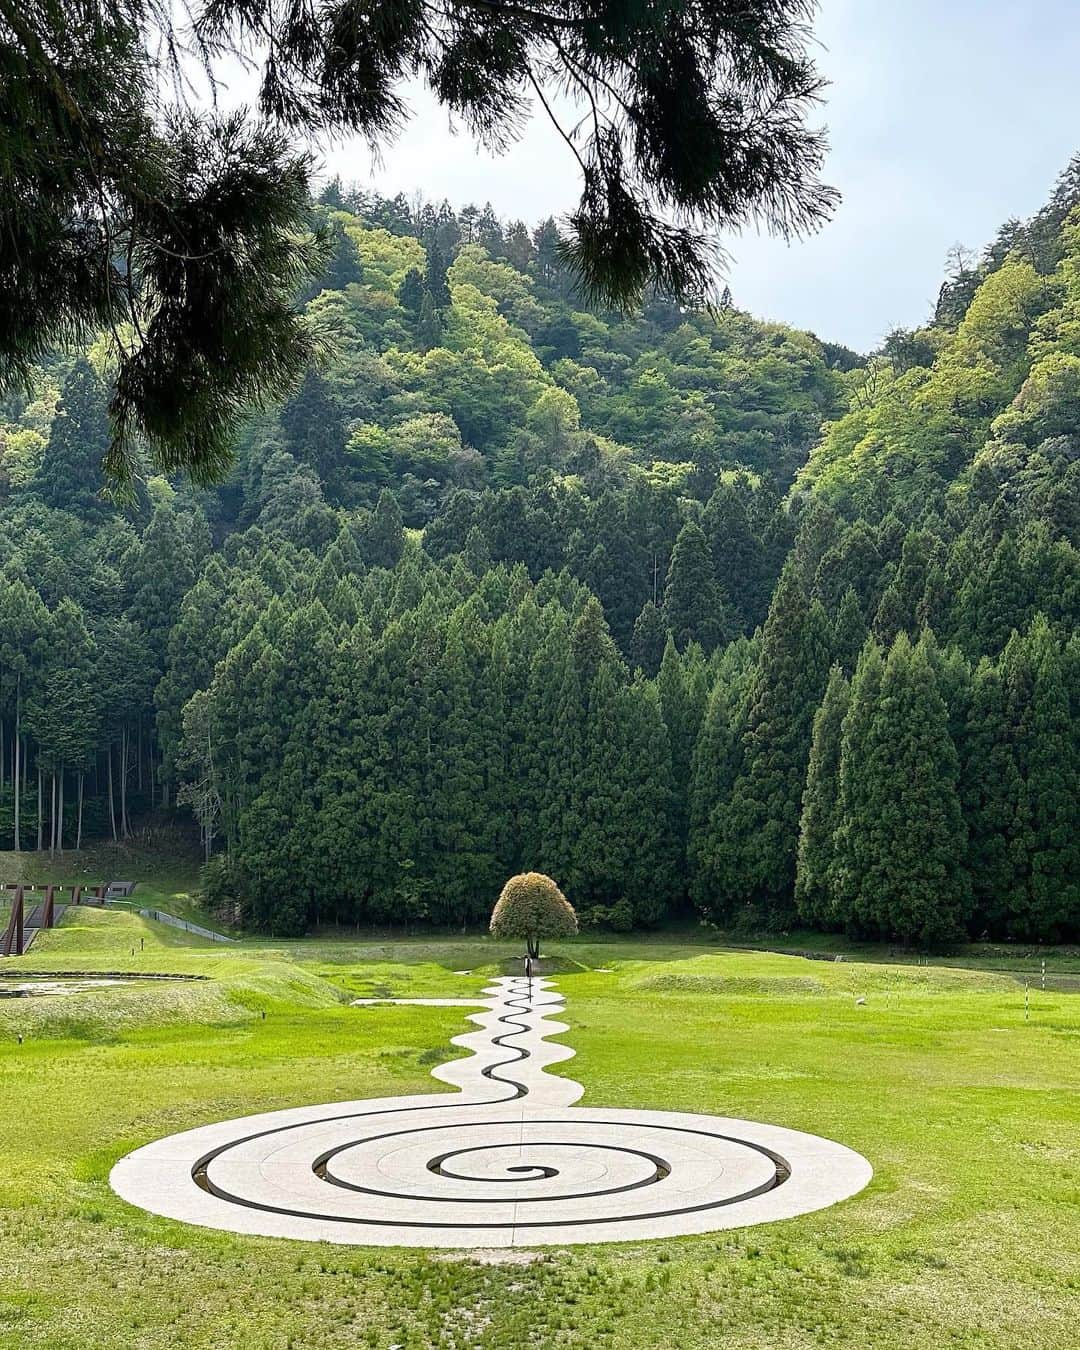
945 118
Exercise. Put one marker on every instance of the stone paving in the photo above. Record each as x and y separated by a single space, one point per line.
510 1162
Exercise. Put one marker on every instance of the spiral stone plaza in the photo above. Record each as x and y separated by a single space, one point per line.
509 1162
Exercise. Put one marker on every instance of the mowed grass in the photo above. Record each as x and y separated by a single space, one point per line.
969 1234
166 878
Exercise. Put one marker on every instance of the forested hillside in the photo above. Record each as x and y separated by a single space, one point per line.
684 608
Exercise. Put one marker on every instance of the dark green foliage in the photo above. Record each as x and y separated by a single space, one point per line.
62 707
753 849
683 688
693 599
991 794
344 267
738 556
429 327
1021 788
314 432
816 863
854 802
714 768
384 539
902 838
591 643
849 632
435 282
650 637
411 292
191 232
159 571
623 828
70 476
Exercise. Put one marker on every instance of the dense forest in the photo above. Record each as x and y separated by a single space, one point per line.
688 610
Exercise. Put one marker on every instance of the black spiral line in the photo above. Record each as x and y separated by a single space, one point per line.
199 1170
524 1005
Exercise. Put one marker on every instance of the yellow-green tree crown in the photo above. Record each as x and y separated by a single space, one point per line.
532 906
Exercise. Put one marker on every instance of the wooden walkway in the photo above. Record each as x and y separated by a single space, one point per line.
25 922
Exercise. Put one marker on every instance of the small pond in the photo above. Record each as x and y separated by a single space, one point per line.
41 986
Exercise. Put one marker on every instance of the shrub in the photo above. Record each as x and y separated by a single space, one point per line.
621 916
532 907
220 888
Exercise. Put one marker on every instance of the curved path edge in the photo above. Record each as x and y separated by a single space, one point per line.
507 1161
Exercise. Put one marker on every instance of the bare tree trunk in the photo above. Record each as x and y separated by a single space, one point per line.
18 719
112 803
124 826
52 817
60 817
39 808
78 830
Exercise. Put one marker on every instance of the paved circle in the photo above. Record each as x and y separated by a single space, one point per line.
508 1162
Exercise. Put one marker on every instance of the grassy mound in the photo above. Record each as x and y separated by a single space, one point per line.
736 986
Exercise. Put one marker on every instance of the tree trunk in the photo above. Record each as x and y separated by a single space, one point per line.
52 818
138 753
18 710
39 807
60 817
112 803
123 782
78 830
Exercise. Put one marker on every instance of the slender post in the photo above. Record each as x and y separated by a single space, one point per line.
8 944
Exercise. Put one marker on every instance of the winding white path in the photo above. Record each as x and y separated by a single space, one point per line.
509 1162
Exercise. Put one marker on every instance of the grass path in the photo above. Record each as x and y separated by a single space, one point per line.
969 1235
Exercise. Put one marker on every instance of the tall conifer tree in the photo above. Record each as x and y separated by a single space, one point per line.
682 689
816 859
905 838
693 599
756 852
647 644
71 477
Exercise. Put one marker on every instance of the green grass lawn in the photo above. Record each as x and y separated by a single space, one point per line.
969 1234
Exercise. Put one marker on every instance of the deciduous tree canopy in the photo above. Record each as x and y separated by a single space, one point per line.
532 907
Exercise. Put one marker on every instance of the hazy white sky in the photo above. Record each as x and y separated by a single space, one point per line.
945 118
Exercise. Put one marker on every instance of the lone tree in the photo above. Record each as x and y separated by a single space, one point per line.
532 907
